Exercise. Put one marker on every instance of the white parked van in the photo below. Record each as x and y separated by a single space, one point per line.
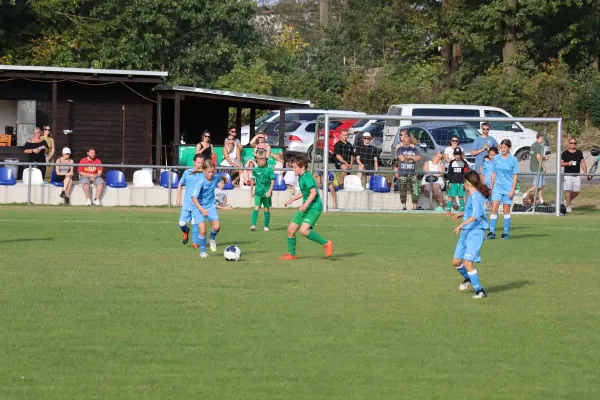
520 136
300 114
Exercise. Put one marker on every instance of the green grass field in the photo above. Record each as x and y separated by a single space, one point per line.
107 303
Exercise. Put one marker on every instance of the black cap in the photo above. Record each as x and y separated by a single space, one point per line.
457 151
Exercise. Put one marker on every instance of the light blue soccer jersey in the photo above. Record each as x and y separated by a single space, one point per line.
505 169
474 208
189 180
479 143
487 172
204 191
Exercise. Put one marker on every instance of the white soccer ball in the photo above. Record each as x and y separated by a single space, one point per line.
232 253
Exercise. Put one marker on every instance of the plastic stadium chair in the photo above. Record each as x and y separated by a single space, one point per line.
53 179
115 179
142 178
36 176
228 184
7 177
353 183
378 184
164 179
279 183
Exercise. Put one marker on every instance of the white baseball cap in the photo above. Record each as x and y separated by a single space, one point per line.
66 150
366 134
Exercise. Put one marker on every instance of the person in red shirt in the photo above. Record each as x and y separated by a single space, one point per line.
91 175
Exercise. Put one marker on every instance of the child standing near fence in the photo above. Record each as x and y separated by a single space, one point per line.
261 189
471 233
308 213
456 177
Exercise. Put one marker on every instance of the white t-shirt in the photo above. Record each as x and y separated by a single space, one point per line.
450 152
290 178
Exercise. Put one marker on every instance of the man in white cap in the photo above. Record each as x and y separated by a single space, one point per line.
366 154
64 173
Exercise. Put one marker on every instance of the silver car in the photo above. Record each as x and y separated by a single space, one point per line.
299 136
437 136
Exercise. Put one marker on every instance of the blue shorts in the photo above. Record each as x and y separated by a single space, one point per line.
469 245
213 215
501 197
186 216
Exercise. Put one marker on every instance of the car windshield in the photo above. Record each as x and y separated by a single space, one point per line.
376 130
443 136
360 123
292 126
265 117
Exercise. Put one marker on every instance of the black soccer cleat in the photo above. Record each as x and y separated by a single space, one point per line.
490 236
480 294
505 236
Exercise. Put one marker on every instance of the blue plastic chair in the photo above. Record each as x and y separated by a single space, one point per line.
378 184
7 177
164 179
279 183
115 179
53 179
228 183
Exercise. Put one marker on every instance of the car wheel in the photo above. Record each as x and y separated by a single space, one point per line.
309 153
523 154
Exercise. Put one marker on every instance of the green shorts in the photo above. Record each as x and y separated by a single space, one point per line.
264 201
456 190
306 217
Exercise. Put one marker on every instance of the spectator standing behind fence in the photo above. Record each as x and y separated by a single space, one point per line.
536 162
47 136
91 175
205 147
572 160
408 156
64 173
344 154
37 148
481 145
366 156
433 181
449 151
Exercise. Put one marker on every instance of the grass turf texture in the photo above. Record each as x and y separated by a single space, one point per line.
107 303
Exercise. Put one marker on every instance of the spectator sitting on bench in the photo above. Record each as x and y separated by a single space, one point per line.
91 175
64 173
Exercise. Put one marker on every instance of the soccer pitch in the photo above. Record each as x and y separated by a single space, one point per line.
107 303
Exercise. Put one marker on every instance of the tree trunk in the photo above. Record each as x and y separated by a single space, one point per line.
457 55
324 13
510 46
446 53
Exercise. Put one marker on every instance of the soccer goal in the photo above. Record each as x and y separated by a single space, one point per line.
363 174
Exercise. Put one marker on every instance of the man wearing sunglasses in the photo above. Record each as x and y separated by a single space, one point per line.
572 160
481 145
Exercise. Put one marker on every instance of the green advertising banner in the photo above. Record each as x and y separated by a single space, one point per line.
186 155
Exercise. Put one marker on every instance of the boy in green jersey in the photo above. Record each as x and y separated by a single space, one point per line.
308 214
261 189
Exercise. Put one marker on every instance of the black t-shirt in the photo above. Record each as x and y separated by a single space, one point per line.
39 157
343 149
456 171
366 154
576 156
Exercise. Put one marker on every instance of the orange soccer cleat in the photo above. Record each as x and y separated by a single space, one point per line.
287 257
328 248
195 246
184 237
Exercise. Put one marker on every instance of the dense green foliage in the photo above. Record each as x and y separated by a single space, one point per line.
531 57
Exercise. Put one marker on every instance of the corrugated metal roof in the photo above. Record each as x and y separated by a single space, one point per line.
84 71
247 97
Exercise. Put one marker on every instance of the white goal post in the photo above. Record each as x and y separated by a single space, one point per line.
329 117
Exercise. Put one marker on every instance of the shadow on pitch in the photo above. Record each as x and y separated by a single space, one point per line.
529 235
26 240
509 286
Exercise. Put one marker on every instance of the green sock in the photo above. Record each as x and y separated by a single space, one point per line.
462 203
254 217
315 237
267 218
449 205
291 246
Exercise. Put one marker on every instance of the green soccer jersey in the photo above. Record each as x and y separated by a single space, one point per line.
262 177
307 182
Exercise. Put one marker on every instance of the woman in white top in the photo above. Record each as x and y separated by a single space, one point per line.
449 151
231 158
434 181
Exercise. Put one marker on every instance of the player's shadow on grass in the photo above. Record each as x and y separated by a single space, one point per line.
26 240
529 235
509 286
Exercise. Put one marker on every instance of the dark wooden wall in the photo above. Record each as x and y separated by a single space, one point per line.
99 115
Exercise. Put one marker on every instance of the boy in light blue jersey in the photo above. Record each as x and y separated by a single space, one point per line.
205 203
188 179
471 233
505 170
